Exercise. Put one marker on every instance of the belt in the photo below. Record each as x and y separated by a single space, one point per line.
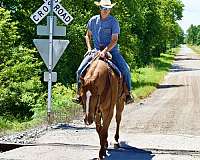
101 47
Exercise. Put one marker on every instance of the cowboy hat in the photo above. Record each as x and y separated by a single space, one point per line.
105 3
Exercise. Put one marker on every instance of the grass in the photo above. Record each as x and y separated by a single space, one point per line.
63 111
194 48
11 126
145 80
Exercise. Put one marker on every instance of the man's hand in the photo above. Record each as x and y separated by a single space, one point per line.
102 54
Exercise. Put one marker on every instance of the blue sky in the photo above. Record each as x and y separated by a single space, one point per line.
191 14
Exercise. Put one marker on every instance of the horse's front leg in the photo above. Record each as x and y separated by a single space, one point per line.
107 117
103 143
98 123
119 109
99 129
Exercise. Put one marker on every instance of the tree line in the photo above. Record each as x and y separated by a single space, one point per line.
193 35
148 28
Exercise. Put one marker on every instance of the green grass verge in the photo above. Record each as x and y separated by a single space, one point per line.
145 80
8 126
63 110
194 48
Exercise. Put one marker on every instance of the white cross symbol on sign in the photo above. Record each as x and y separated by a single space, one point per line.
57 8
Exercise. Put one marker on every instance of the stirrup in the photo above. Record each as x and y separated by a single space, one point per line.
129 99
77 99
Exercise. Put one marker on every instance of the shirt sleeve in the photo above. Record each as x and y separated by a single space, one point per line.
89 25
115 27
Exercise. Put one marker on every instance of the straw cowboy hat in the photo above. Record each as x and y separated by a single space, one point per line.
105 3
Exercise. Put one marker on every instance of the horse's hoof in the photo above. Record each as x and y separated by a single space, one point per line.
106 145
102 154
100 158
116 145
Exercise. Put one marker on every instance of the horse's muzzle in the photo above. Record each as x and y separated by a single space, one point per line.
89 120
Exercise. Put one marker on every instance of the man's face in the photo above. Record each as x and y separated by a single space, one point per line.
104 12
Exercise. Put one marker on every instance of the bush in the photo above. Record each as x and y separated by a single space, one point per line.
19 73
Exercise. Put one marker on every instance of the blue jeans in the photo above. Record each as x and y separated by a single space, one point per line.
120 62
117 59
82 67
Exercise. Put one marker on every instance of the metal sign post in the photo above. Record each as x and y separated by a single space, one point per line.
50 62
50 49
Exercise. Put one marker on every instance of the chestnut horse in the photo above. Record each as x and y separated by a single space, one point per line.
102 90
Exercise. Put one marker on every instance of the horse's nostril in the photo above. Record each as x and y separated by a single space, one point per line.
86 122
90 121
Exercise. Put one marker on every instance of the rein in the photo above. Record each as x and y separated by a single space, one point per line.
98 104
95 93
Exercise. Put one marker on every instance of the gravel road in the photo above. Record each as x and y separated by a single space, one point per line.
165 126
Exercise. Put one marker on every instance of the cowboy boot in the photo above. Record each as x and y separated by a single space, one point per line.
129 98
77 99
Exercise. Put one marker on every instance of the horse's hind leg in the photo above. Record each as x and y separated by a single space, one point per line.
119 109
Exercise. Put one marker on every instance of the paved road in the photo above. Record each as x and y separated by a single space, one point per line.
165 126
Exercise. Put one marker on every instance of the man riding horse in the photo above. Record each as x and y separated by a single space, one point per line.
103 30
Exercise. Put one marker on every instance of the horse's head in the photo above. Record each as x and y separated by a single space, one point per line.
92 87
91 101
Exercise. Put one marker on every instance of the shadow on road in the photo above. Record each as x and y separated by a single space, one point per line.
169 86
126 152
67 126
178 68
186 59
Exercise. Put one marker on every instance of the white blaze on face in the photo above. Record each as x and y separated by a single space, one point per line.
88 95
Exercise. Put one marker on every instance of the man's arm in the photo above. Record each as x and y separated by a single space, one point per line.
88 38
111 45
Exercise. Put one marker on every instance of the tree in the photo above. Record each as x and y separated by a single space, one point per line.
20 83
193 35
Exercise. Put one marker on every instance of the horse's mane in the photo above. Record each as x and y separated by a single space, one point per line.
93 73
